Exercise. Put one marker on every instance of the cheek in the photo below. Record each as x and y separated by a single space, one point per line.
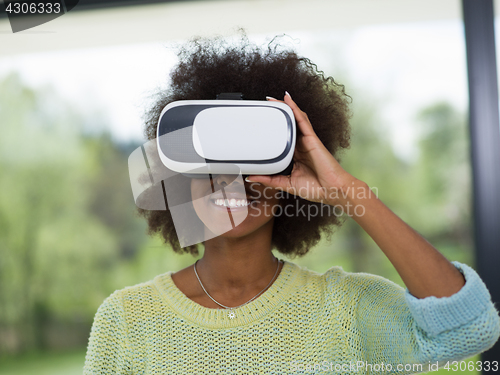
198 193
268 204
196 190
271 196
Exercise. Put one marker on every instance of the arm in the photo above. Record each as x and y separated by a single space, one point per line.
394 327
424 270
317 176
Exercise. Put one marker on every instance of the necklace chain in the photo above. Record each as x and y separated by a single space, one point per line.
231 313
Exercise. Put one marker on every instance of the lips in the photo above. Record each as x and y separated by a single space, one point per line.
230 195
231 200
231 203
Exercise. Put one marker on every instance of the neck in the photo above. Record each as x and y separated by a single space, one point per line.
237 266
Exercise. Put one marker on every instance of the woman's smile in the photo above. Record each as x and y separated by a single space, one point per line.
230 200
234 207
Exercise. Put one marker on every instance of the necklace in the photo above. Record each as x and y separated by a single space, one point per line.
231 314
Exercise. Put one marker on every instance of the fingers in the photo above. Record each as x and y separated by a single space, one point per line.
301 117
271 99
276 181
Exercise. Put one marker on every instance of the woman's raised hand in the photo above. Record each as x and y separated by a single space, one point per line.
316 175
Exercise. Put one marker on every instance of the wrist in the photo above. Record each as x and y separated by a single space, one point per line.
349 192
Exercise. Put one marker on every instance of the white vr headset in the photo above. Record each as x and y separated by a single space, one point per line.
226 136
200 138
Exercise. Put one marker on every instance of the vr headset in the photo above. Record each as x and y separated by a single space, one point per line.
200 138
226 136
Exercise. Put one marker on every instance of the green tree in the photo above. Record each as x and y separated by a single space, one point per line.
442 180
64 219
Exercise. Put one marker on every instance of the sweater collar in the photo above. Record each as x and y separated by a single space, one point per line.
218 318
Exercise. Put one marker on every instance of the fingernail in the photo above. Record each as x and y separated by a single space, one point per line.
286 93
248 179
270 98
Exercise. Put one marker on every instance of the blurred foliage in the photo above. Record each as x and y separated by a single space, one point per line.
69 235
66 219
46 363
443 176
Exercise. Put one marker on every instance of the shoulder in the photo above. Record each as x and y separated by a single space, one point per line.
337 278
366 300
362 290
336 282
132 296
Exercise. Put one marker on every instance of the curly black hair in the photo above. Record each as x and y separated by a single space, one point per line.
210 66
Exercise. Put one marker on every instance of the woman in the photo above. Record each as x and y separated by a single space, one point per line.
239 309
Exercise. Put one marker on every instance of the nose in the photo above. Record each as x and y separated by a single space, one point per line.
224 180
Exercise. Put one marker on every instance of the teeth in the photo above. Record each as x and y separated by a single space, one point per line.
232 203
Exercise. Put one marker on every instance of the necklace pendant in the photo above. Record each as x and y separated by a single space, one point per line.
231 314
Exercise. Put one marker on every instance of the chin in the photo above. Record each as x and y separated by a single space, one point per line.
244 226
246 229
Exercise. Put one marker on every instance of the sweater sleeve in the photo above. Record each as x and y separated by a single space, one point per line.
467 322
108 350
394 327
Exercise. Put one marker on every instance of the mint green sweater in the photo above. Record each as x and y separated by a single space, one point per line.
332 323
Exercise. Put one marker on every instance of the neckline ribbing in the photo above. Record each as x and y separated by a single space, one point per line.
218 318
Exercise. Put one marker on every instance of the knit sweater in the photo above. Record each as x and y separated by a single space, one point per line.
332 323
